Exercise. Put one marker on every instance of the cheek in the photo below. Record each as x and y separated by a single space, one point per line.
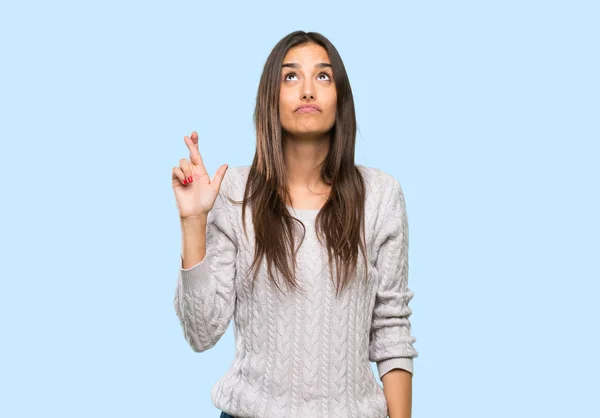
332 103
284 111
285 98
331 109
285 106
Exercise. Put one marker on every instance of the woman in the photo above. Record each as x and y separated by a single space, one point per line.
303 350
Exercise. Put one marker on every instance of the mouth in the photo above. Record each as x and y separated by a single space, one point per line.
307 110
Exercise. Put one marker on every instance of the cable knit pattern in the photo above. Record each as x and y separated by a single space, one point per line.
302 353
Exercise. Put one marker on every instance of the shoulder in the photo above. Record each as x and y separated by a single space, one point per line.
235 173
234 180
379 183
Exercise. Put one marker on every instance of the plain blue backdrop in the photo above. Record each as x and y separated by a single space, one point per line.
487 112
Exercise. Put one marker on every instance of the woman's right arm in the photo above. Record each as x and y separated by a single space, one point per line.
193 235
205 292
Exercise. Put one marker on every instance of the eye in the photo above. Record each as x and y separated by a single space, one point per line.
285 78
325 73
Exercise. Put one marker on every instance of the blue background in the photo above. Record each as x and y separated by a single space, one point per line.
486 112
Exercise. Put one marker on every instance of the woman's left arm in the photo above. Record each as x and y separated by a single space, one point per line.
391 341
397 386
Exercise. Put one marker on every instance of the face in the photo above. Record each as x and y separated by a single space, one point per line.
305 81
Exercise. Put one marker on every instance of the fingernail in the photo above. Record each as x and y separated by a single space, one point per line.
190 179
185 181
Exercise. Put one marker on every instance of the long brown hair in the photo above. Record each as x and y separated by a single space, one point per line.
342 217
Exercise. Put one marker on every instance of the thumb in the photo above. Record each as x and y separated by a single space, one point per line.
219 175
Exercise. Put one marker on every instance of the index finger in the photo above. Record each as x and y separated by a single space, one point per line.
192 144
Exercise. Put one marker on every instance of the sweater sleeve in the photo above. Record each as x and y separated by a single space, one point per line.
391 342
205 293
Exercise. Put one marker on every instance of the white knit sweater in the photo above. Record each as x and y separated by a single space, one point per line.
302 354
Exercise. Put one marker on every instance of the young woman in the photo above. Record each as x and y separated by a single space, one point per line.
275 246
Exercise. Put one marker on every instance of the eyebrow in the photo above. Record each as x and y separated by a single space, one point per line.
296 65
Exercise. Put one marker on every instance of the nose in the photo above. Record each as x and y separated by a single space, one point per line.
307 90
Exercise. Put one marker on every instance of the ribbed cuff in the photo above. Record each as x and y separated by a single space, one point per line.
196 277
385 366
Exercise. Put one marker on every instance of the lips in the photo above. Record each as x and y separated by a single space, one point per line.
308 109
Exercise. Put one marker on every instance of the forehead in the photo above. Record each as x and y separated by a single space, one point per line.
307 53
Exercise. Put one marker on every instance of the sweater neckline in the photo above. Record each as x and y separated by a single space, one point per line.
304 214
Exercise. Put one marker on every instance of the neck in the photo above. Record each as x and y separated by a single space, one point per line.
303 157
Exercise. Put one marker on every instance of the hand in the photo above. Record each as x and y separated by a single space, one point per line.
195 198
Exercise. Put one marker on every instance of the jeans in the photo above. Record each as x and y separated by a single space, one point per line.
225 415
